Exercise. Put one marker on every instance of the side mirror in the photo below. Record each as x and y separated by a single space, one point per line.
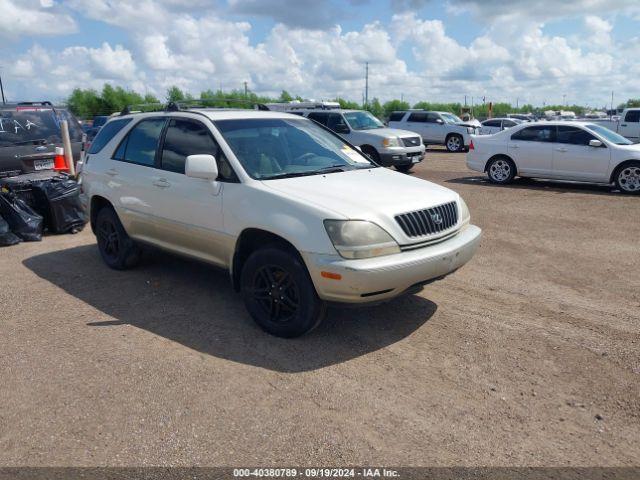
341 128
595 143
439 121
201 166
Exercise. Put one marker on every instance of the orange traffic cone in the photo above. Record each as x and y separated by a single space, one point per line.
59 162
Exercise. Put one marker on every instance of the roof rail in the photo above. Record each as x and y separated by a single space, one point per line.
181 105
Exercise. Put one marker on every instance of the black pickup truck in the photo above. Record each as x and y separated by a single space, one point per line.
29 135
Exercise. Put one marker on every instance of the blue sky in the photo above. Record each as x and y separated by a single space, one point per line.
420 49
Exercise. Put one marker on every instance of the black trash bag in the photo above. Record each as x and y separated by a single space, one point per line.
58 200
22 219
7 238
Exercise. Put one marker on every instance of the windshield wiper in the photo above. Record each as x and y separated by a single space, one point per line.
328 169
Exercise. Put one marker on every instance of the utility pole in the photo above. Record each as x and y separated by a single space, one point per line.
366 84
465 100
246 90
517 103
2 90
612 103
564 95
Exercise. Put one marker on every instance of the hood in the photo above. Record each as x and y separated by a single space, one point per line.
633 149
376 194
388 132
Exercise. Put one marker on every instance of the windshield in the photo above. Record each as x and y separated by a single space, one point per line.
362 121
35 126
451 118
609 135
271 148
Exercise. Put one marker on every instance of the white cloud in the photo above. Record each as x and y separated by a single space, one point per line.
31 17
187 43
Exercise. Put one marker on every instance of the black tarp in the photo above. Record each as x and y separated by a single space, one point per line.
22 219
7 237
58 201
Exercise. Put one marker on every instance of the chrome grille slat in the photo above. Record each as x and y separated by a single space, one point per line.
420 223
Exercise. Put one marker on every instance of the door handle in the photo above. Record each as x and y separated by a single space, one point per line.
561 149
514 146
161 183
623 124
112 172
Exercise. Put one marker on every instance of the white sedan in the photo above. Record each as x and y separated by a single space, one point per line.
495 125
583 152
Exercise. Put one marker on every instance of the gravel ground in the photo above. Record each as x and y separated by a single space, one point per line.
529 355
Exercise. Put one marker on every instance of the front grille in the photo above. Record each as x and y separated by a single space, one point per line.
428 221
411 141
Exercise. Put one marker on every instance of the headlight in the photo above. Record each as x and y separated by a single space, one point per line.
360 239
391 142
465 216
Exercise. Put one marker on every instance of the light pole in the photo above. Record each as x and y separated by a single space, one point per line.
4 101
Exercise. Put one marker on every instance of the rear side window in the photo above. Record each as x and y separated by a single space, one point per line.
492 123
335 120
534 134
573 135
417 117
433 117
106 133
508 123
632 116
396 116
141 143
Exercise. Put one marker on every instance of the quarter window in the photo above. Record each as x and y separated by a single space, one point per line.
534 134
141 143
573 135
433 117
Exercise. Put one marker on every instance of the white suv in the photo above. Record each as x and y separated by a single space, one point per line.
297 216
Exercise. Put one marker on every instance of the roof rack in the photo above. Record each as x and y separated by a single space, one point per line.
182 105
304 105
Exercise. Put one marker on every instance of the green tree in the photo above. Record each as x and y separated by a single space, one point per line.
393 106
285 96
375 108
174 94
347 104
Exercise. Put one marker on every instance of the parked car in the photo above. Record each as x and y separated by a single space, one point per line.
495 125
295 213
585 152
386 146
627 124
436 128
29 135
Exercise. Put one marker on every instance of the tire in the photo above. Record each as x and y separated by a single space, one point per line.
372 153
454 143
116 247
271 272
501 170
628 178
404 168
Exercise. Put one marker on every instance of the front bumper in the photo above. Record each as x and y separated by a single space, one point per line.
401 155
382 278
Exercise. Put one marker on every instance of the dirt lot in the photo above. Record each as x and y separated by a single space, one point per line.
529 355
